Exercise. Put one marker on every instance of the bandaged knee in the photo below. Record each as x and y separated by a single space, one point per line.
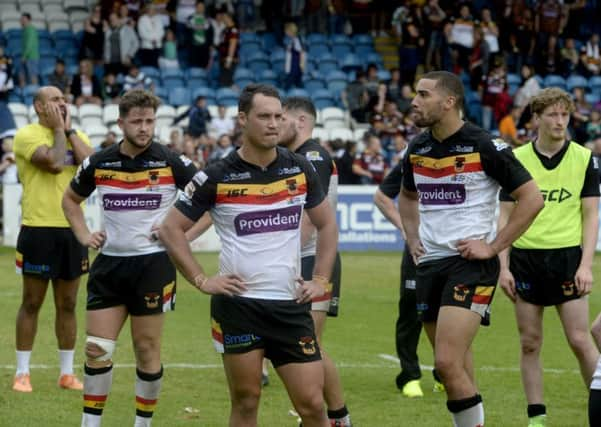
106 345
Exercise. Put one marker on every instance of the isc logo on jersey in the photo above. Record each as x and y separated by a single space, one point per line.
314 156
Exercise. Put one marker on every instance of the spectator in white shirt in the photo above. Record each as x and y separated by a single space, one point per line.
221 125
151 31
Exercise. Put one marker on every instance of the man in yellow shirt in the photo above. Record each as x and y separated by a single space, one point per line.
47 154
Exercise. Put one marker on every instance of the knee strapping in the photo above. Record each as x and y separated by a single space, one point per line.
106 345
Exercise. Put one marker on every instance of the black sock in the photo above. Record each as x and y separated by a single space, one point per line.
338 413
536 410
594 408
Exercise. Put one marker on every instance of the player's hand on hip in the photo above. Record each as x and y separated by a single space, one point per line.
96 240
475 249
416 249
583 280
507 283
308 290
227 284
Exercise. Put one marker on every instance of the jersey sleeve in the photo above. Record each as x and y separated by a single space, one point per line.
84 137
26 143
198 196
407 180
391 185
323 166
315 193
84 180
499 163
183 169
590 188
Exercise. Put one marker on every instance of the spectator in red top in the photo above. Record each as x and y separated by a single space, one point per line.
550 19
370 165
496 101
228 48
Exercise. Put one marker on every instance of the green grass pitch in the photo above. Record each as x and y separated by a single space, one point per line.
360 340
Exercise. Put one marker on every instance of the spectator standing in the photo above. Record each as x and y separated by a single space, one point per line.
151 31
580 116
92 43
85 87
491 31
530 87
202 38
569 58
495 98
336 16
228 49
120 46
549 20
296 57
410 50
47 154
344 156
30 55
59 77
169 57
593 127
462 34
7 121
478 59
434 18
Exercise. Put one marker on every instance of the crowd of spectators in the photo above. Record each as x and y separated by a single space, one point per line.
503 49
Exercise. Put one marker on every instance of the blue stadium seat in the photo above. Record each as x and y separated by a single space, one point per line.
242 82
247 37
226 96
362 40
554 80
63 35
195 72
314 84
161 92
258 62
336 75
328 65
374 58
316 38
179 96
513 78
592 98
207 92
13 33
171 73
351 62
384 75
319 49
340 39
251 45
340 51
172 82
303 93
576 81
594 83
152 72
269 42
243 72
194 82
336 87
362 51
276 54
249 49
47 65
268 77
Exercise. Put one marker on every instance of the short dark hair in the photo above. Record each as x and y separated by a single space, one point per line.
26 15
137 98
300 103
248 93
450 83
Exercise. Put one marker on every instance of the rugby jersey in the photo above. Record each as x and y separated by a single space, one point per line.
328 178
135 194
257 215
457 181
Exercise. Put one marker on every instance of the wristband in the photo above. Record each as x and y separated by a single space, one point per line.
200 280
69 132
322 279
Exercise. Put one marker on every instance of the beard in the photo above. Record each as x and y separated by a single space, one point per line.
288 137
137 141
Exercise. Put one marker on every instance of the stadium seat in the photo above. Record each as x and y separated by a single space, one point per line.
299 92
594 83
576 81
341 133
165 115
10 24
206 92
592 98
179 96
323 98
242 72
258 62
340 39
384 75
374 58
226 96
321 134
152 72
268 77
316 38
277 54
9 14
318 49
90 111
340 51
269 42
359 134
327 65
28 92
314 84
173 82
333 117
73 5
110 114
554 80
351 62
195 72
248 36
362 40
362 51
54 26
513 78
96 133
18 108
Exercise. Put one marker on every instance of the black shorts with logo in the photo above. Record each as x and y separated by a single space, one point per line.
50 253
545 276
283 329
145 284
458 282
331 300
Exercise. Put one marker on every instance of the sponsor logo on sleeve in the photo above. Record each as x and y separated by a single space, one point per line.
185 160
441 194
500 144
268 221
200 178
313 156
131 202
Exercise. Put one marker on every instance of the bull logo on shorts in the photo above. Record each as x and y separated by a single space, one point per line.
460 292
568 289
307 345
152 300
459 164
291 186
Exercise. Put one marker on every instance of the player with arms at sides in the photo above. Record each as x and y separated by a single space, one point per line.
297 127
452 173
260 306
137 181
551 263
47 154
